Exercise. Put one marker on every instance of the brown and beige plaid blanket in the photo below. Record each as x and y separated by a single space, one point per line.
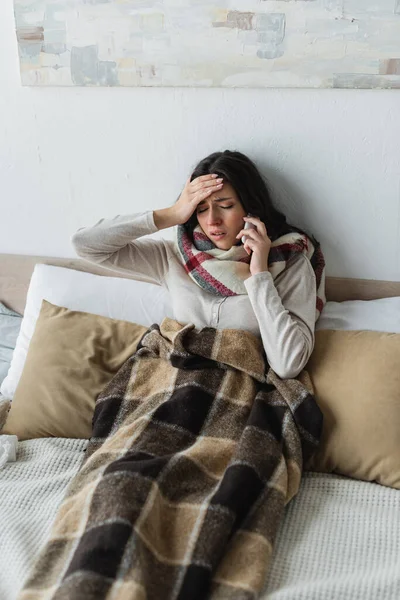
197 447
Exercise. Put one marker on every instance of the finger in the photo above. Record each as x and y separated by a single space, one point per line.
257 222
210 183
201 195
251 233
247 247
204 179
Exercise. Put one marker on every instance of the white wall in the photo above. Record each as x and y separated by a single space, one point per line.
71 156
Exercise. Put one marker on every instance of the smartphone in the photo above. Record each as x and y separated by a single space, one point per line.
248 225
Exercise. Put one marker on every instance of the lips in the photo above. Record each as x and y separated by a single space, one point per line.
217 234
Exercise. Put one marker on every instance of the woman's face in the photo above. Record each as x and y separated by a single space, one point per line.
221 213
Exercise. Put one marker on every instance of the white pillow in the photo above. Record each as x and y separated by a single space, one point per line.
145 303
374 315
115 297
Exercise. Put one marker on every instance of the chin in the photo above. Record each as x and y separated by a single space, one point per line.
224 245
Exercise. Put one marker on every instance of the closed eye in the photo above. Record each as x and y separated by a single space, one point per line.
224 207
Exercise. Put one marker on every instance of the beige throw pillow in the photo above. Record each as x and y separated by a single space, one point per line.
356 379
71 358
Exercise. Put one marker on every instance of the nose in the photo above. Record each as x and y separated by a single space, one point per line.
213 217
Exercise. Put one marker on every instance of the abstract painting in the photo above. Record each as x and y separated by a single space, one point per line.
209 43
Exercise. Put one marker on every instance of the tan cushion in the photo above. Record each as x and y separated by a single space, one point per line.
356 380
71 358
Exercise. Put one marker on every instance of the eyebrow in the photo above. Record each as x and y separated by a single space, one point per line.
216 200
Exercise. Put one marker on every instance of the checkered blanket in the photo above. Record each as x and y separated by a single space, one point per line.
197 447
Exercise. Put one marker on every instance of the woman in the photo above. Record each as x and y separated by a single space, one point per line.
196 447
272 285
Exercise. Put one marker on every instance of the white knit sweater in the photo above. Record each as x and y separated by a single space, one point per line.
281 311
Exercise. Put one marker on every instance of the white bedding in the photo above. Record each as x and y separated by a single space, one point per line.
340 538
31 489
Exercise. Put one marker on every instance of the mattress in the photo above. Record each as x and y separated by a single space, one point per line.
339 538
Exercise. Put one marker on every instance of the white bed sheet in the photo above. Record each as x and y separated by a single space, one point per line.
31 489
339 539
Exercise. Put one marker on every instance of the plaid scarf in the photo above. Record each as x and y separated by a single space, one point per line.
223 272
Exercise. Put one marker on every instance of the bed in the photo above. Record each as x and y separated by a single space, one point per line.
340 535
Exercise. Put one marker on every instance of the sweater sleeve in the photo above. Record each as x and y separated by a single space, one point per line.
113 244
285 310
